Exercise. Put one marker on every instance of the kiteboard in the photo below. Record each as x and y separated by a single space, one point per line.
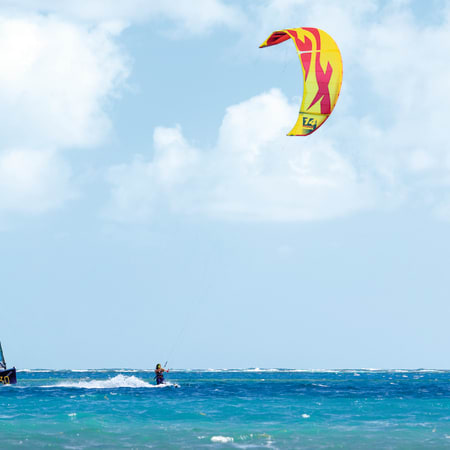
168 384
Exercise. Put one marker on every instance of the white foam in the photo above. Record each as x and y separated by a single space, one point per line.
119 381
306 416
222 439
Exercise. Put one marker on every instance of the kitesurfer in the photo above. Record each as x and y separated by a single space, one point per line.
159 374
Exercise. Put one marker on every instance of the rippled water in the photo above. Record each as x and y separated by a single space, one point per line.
228 408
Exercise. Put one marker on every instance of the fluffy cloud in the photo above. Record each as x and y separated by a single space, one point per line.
385 145
141 188
386 141
59 66
407 70
253 173
344 20
392 113
186 16
33 182
55 78
404 63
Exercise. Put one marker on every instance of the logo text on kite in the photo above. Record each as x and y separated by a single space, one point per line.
309 123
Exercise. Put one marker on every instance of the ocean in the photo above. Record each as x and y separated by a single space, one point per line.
253 408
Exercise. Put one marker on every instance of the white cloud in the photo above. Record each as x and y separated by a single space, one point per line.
344 20
404 63
33 181
253 173
195 18
407 69
386 140
141 189
395 94
386 143
59 66
55 78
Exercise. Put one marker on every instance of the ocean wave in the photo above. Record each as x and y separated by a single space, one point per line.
237 370
119 381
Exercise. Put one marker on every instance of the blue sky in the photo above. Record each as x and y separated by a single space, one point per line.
152 208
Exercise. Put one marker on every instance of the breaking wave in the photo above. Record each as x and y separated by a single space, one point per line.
119 381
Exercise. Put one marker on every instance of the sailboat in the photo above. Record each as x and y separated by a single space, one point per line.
7 376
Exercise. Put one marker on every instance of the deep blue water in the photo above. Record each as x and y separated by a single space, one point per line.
227 409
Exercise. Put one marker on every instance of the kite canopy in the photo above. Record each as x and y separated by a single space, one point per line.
322 75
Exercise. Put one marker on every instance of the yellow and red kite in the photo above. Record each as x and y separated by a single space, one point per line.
322 75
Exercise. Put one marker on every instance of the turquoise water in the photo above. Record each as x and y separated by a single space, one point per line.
227 409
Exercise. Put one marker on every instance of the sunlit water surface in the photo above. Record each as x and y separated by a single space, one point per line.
252 408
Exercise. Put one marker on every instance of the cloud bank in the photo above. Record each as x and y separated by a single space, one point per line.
55 79
385 145
183 15
253 173
60 66
33 181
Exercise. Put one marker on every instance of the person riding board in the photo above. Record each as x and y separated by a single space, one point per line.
159 374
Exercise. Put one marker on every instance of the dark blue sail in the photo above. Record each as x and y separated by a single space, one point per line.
2 358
